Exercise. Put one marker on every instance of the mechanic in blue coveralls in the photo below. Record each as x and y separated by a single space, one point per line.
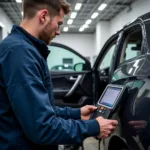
29 120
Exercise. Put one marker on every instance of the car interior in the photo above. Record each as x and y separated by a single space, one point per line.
132 45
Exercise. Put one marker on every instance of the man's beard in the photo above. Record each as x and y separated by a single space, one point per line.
46 35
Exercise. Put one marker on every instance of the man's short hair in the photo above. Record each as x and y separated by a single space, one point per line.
30 7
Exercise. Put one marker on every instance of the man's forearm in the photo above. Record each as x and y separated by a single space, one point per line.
68 113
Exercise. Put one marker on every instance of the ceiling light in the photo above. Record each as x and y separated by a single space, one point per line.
73 15
94 15
88 21
19 1
102 7
85 26
70 21
81 29
22 13
2 25
78 6
66 29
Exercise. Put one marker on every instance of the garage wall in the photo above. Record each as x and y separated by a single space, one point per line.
7 23
82 43
101 36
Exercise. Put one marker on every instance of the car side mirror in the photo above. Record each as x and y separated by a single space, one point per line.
79 67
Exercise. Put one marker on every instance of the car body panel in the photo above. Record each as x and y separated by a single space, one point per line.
63 83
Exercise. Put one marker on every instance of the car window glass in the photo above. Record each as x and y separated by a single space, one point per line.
132 45
106 61
61 59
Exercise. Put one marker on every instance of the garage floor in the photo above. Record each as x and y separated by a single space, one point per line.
89 144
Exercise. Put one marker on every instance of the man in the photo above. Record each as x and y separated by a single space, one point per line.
29 120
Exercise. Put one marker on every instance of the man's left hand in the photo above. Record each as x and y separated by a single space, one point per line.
86 111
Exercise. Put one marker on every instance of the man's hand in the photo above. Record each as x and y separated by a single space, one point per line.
86 111
107 127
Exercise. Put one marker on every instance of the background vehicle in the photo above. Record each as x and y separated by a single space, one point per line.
124 60
66 67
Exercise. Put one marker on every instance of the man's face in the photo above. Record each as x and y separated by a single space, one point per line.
52 28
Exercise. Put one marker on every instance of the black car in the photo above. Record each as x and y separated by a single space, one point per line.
124 60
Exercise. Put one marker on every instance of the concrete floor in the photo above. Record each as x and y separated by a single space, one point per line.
89 144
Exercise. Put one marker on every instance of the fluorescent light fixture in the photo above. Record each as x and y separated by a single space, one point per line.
102 6
81 29
88 21
73 15
85 26
70 21
78 6
94 15
19 1
2 25
66 29
22 13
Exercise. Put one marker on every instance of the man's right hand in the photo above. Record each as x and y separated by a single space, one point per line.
106 127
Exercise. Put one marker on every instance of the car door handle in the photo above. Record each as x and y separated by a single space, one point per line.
74 86
73 78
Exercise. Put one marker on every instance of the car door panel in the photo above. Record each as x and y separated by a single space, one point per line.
128 110
69 88
71 77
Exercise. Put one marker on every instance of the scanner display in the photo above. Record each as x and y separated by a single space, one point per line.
110 96
109 101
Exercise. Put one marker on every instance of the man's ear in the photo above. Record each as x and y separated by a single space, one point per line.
44 16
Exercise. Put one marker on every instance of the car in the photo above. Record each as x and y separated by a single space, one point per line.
66 67
123 60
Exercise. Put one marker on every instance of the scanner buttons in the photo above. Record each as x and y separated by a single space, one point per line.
102 109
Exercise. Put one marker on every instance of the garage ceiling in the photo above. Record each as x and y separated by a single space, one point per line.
13 10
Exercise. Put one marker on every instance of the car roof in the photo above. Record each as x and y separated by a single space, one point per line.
145 16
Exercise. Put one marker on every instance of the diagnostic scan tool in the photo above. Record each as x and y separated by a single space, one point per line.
109 101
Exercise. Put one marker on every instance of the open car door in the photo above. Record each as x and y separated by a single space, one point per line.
75 84
105 65
71 76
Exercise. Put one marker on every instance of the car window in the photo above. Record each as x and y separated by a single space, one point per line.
132 45
61 59
106 61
